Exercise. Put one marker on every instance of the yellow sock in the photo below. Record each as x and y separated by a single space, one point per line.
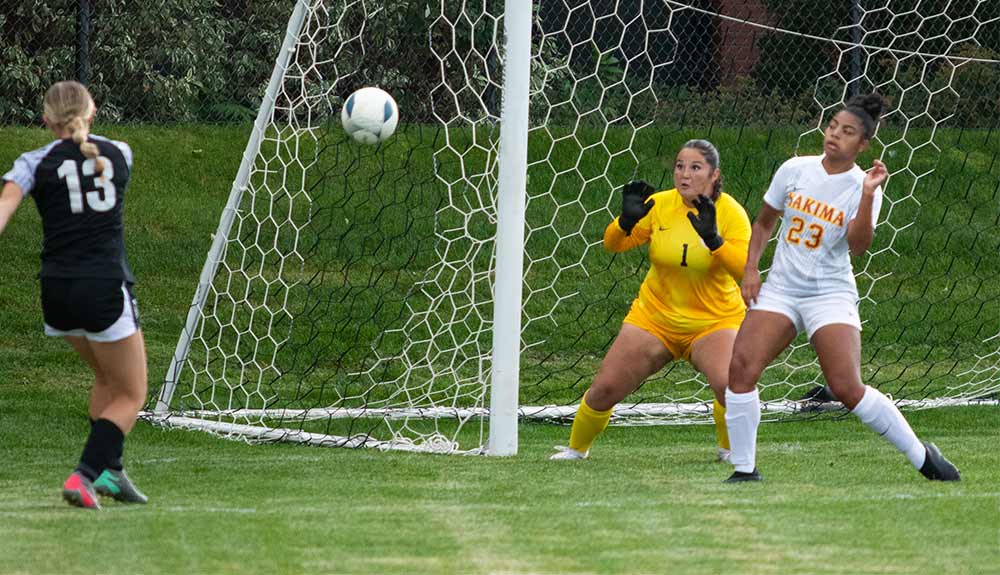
721 433
587 425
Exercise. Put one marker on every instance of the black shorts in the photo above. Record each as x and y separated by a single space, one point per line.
98 309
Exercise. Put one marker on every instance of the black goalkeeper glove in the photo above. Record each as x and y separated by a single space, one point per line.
635 204
704 222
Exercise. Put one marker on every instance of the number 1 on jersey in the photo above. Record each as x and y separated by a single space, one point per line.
67 171
684 257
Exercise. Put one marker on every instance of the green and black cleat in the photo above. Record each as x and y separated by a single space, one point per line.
116 484
741 476
936 467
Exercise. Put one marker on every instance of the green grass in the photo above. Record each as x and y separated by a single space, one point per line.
836 499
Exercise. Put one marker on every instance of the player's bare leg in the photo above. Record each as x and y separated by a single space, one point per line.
118 395
838 347
711 355
100 391
635 355
761 338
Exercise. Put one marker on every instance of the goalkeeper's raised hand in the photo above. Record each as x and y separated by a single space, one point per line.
635 204
704 222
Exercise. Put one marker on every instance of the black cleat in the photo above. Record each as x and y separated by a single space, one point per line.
819 394
936 467
741 476
818 398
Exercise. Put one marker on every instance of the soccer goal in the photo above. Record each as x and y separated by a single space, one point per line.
427 293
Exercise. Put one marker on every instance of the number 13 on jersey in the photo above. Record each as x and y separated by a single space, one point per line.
96 200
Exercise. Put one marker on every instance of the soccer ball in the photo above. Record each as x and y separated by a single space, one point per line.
369 115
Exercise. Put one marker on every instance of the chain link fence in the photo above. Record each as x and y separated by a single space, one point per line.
169 61
151 61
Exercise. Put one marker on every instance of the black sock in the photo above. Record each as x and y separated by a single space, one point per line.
104 444
115 462
116 459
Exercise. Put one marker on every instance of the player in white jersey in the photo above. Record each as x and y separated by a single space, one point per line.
829 207
78 183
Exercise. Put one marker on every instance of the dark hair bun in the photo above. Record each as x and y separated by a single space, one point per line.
870 103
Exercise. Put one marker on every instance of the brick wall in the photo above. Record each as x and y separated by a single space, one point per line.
737 46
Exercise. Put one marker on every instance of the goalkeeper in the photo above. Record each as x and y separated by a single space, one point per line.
689 306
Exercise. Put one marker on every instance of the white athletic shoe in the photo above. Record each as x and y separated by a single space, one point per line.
565 453
722 454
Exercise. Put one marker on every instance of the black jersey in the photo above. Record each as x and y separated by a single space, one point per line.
81 213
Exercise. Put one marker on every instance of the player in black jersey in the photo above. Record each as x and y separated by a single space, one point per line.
78 183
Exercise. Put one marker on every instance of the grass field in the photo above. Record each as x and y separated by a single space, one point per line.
837 499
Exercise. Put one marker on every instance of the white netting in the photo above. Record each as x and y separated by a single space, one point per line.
353 301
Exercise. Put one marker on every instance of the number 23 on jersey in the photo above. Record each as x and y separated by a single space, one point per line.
798 232
98 201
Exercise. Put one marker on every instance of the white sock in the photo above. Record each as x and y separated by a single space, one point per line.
879 413
742 419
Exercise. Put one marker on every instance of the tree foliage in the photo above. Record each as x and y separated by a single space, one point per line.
177 60
210 60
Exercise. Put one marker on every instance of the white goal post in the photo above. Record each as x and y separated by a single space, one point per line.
427 293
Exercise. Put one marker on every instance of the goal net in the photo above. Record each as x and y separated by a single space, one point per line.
349 295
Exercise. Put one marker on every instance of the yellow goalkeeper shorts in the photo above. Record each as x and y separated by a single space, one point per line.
678 339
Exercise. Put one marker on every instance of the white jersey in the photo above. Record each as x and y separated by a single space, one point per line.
813 257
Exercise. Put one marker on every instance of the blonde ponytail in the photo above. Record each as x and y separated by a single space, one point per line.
78 131
68 106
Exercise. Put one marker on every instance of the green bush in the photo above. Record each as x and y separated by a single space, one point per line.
210 60
790 64
173 60
978 88
37 50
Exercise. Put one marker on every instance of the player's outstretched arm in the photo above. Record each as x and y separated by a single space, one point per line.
760 232
10 199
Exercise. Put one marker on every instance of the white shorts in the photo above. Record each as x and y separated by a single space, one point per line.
809 313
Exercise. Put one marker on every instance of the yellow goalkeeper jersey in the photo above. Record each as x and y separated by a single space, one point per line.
687 284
